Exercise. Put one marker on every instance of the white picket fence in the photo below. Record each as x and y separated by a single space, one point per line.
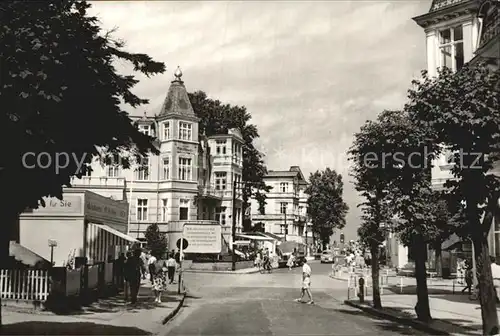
28 284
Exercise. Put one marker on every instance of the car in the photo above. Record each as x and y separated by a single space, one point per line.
327 257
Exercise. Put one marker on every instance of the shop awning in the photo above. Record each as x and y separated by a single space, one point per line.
252 237
117 233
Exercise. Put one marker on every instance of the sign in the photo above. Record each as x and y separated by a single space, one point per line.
203 238
71 204
184 149
52 243
184 246
97 206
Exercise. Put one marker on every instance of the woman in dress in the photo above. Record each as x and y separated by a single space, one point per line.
291 261
160 278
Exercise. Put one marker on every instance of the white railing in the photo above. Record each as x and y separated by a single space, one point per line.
73 279
29 285
98 181
93 276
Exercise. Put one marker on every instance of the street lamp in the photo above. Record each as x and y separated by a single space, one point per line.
52 245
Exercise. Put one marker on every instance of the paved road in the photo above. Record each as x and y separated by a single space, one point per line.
263 304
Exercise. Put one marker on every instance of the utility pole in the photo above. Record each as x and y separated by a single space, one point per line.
233 266
286 227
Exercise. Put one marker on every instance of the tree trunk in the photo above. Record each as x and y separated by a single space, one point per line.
422 308
439 259
487 293
374 249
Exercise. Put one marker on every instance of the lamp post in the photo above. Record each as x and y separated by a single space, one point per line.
52 245
285 226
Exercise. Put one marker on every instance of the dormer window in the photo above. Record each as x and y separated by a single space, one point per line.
451 48
146 129
185 130
166 130
113 171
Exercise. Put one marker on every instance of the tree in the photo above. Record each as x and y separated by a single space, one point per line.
325 204
60 101
218 118
374 172
463 111
156 240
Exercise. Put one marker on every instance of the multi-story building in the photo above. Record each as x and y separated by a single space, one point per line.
459 32
189 181
285 213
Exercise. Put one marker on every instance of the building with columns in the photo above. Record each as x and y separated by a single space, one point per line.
189 181
285 213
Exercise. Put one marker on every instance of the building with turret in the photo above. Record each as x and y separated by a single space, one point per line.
190 180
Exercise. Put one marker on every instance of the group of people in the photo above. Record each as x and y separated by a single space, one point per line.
263 259
159 267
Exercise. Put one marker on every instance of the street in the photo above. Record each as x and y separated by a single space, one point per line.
263 304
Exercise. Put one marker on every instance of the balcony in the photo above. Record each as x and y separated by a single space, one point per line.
209 191
223 160
98 181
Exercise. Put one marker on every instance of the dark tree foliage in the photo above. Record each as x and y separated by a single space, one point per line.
325 205
462 111
218 118
156 240
60 95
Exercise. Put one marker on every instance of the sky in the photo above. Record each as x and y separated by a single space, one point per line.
309 72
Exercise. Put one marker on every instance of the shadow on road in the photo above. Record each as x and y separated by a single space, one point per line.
59 328
380 322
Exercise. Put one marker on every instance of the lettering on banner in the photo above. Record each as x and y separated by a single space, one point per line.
203 238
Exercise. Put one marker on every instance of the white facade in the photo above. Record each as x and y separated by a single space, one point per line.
190 180
285 213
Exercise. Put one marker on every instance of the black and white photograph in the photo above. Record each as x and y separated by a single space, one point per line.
179 168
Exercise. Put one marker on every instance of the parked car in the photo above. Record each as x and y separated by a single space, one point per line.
327 257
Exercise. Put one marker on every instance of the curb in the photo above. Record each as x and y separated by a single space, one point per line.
340 279
221 272
176 309
403 320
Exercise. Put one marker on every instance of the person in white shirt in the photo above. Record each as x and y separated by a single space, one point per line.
151 266
306 283
171 265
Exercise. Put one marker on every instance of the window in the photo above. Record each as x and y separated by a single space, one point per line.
142 209
112 171
451 48
237 177
185 130
166 130
283 207
146 129
220 181
220 147
143 170
164 203
166 168
284 186
184 169
220 215
301 210
183 209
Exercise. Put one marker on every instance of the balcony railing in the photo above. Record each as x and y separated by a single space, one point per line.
491 28
210 191
440 4
98 181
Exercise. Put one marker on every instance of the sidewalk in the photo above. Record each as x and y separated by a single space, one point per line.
453 314
112 316
240 271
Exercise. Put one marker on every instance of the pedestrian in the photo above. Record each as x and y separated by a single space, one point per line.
468 279
171 265
495 274
151 266
126 288
290 262
306 283
177 256
144 265
160 279
133 274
